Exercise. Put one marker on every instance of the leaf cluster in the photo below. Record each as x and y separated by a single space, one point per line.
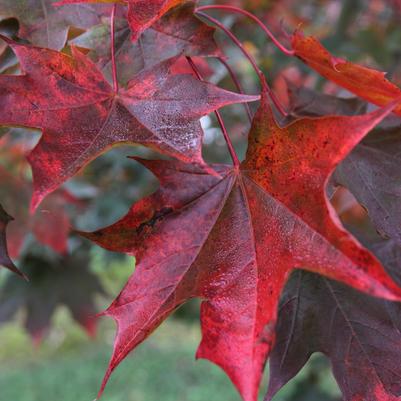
293 250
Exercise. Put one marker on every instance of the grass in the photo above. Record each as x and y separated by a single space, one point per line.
71 370
68 366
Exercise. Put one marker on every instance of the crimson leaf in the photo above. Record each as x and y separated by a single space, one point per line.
233 241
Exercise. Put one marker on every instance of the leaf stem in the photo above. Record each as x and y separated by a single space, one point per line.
237 84
113 50
254 18
250 58
230 146
234 39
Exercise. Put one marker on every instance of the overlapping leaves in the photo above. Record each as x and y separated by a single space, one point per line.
234 240
359 334
229 235
44 25
178 32
141 14
81 116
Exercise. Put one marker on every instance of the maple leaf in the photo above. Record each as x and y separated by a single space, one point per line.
5 259
51 284
365 82
233 241
81 116
178 32
360 334
44 25
141 13
372 173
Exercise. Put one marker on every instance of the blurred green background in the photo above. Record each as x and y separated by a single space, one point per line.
69 366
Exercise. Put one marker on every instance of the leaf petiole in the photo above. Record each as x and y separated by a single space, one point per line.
230 146
237 84
254 18
250 58
112 46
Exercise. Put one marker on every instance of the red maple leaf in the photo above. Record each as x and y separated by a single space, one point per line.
233 240
81 116
365 82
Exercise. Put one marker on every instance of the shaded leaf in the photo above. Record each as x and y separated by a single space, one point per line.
141 13
45 25
372 173
178 32
307 102
360 334
65 281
